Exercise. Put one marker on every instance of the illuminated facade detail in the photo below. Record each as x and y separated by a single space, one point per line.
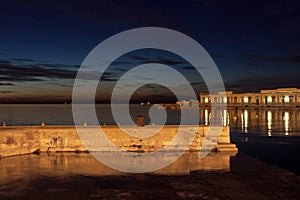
286 99
269 99
276 97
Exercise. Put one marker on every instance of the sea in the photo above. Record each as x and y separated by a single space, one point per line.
269 134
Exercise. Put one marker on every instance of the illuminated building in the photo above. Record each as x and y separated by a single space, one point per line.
276 97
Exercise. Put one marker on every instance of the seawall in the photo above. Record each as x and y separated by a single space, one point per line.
17 140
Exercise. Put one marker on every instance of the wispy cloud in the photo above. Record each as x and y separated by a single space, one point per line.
7 84
10 71
7 92
136 57
163 61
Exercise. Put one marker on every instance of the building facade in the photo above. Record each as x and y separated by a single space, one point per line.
276 97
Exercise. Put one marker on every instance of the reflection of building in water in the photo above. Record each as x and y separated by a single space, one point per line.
224 116
57 165
269 122
206 117
277 97
244 121
286 119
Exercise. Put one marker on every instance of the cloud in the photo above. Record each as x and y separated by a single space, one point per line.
163 61
18 73
253 58
109 76
188 68
7 84
18 79
62 85
27 60
136 57
7 92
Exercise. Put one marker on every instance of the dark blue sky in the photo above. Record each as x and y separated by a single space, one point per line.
255 44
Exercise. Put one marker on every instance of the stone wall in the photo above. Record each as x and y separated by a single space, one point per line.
16 140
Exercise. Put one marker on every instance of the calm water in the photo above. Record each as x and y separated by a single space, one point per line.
54 114
264 122
269 134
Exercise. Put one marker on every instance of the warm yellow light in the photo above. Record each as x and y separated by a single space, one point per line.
206 100
246 100
206 117
286 99
225 118
246 120
269 99
269 122
286 119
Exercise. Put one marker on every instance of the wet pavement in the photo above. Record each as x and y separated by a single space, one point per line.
248 178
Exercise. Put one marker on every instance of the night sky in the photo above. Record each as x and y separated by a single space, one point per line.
255 44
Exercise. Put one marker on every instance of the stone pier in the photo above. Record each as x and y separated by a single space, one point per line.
17 140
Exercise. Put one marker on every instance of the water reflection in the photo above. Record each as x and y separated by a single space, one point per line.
264 121
286 119
225 118
244 121
271 122
206 117
28 167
